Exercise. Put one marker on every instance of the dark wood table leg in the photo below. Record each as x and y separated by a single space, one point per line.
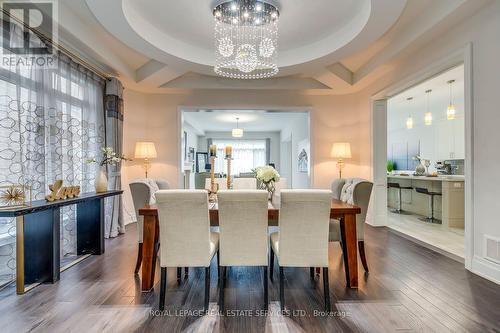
149 249
349 239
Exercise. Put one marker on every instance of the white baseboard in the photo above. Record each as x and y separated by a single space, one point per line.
486 269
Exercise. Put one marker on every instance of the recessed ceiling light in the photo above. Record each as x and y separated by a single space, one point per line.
234 7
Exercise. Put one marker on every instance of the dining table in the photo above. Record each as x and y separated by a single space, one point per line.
344 212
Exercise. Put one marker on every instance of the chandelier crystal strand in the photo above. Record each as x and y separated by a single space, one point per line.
246 39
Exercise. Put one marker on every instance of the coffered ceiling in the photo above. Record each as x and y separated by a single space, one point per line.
325 46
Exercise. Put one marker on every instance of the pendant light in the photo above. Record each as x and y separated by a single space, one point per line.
428 114
237 132
409 120
451 112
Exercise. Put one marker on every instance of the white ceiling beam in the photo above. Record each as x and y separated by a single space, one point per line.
148 69
197 81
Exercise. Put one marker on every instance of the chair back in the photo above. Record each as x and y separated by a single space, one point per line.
357 191
244 183
278 186
304 222
243 227
337 186
221 181
184 228
142 191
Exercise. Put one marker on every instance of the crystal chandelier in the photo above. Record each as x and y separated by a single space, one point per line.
246 38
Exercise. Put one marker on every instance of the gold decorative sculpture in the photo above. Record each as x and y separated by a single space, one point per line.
14 196
59 192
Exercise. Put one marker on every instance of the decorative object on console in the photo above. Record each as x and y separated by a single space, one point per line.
267 177
246 38
14 196
109 157
59 192
146 151
340 151
420 168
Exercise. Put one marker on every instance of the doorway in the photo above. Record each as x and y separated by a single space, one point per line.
256 138
380 153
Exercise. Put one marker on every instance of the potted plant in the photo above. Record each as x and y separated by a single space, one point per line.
390 166
109 157
267 176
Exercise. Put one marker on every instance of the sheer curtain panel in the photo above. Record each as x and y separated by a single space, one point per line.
51 123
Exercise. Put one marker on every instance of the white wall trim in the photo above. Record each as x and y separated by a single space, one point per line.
485 269
462 55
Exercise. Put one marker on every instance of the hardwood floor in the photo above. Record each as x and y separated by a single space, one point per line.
409 288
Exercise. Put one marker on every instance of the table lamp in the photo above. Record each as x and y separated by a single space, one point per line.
340 151
145 150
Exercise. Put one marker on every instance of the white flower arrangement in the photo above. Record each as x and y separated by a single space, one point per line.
266 174
109 157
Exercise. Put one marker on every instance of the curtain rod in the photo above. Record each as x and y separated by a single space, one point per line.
60 47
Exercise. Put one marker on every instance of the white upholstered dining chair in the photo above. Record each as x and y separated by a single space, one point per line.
142 191
244 183
355 191
185 236
243 227
302 239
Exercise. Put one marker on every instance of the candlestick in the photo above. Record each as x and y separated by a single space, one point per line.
213 151
213 186
229 151
228 159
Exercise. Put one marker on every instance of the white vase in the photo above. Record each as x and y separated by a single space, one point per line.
101 181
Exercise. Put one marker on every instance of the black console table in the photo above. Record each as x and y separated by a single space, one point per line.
38 235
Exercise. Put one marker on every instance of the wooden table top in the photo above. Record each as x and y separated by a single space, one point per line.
338 209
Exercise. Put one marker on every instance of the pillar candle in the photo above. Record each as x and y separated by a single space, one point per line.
213 151
229 151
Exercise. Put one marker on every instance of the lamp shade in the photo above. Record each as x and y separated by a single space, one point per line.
341 150
145 150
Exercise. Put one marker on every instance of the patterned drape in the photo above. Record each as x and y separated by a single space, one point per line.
51 123
114 138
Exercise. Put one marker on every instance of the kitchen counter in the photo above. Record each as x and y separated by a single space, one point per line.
442 178
448 207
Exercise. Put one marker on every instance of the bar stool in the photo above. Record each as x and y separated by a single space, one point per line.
399 188
431 195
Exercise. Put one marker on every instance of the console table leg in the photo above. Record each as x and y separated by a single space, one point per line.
90 227
34 232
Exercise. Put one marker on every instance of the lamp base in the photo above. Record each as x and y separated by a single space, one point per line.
340 166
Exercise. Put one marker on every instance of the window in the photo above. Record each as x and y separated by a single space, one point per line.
247 154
